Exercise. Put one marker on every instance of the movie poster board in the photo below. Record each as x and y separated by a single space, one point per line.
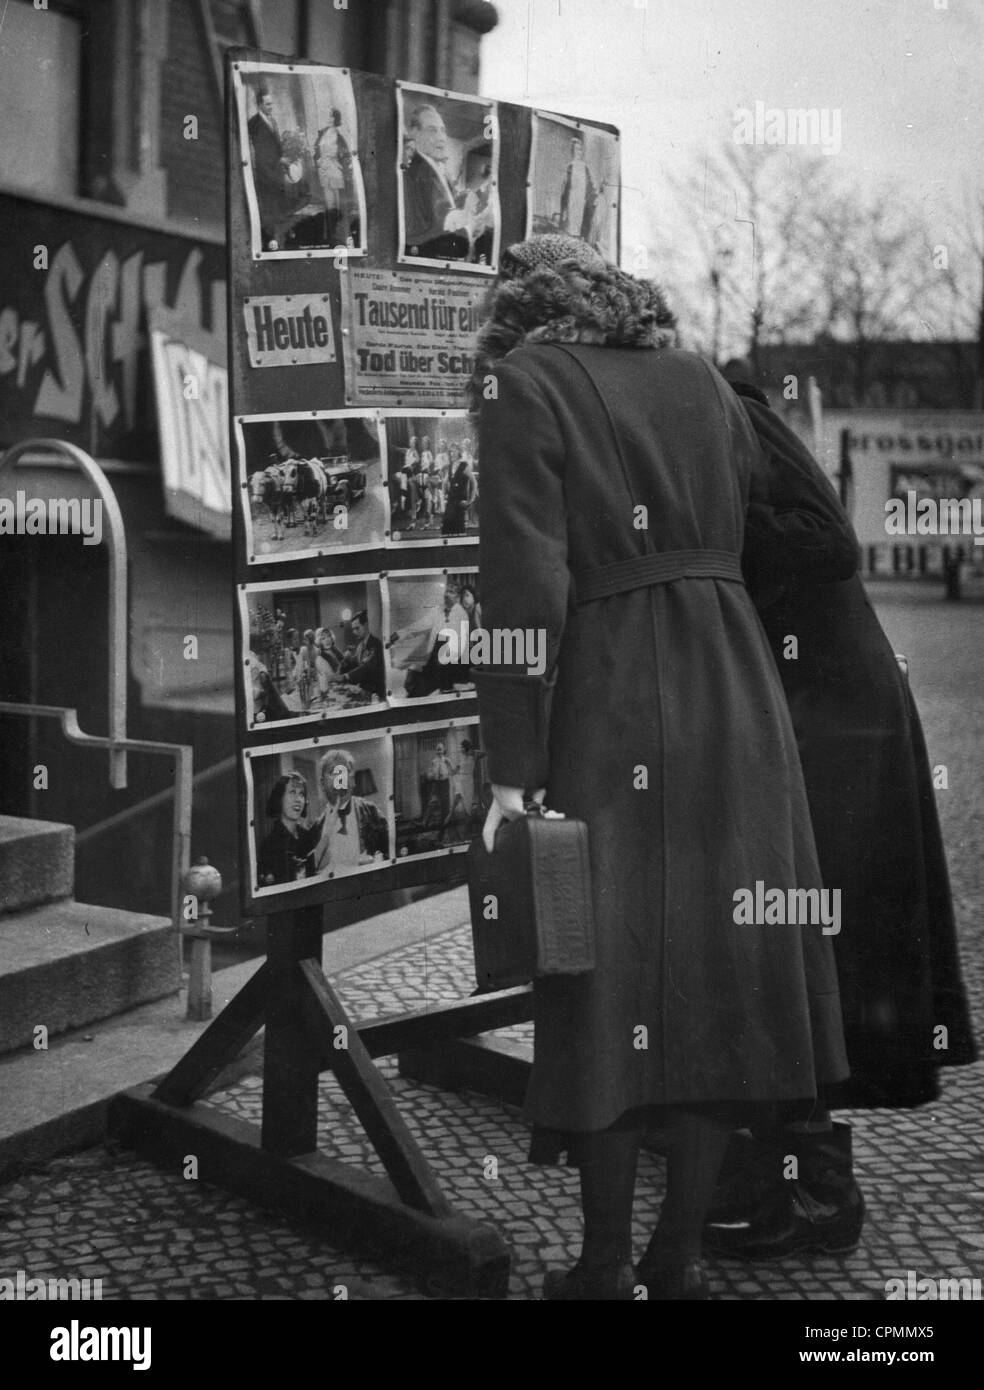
366 218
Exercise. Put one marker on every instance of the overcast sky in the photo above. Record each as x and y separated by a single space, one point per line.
907 78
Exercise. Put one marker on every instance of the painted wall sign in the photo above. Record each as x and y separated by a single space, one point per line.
77 294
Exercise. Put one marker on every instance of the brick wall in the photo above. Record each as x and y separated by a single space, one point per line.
195 168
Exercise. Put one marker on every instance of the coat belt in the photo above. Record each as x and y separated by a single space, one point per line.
643 570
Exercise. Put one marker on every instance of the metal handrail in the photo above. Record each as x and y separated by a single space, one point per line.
179 753
117 590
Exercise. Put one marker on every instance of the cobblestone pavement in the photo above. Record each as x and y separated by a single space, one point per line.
150 1234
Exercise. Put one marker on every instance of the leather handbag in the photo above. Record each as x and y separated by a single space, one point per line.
530 899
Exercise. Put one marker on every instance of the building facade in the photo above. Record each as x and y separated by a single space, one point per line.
112 204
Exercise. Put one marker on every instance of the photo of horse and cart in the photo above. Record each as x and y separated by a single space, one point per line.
311 484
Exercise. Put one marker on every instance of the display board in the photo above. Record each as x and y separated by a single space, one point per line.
366 221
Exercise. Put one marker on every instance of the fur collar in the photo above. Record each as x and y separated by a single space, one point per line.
568 305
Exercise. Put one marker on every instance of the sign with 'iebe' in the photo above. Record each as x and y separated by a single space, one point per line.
286 330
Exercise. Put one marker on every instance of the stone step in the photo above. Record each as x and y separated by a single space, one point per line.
37 862
67 964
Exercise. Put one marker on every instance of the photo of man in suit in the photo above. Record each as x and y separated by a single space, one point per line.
276 190
435 224
448 193
365 664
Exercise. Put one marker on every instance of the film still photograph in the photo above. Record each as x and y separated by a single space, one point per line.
319 809
299 139
574 183
313 649
432 470
441 789
311 483
447 171
432 614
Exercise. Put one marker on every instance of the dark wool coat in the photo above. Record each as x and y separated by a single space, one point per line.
661 722
869 785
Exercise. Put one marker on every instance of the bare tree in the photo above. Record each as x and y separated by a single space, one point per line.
874 280
957 255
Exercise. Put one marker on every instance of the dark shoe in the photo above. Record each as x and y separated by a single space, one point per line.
675 1283
611 1283
751 1172
820 1211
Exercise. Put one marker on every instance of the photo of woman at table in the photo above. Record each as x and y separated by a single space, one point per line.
339 666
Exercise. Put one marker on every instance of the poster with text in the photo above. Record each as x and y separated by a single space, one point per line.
408 338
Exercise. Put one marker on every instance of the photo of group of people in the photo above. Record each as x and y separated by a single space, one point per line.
311 482
432 466
299 131
299 136
574 183
326 809
314 649
431 617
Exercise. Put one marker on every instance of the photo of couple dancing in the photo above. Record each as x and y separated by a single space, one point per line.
299 135
338 830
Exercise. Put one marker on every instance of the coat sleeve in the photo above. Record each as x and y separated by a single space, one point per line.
796 531
523 573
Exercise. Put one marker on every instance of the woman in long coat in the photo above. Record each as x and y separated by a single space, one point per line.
618 471
878 838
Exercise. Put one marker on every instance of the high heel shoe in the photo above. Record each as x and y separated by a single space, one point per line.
605 1283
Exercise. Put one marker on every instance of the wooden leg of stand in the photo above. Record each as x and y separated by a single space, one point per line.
290 1059
369 1096
220 1044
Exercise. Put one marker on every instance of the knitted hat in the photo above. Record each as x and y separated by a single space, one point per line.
549 252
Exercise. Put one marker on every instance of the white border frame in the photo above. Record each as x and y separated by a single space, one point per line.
312 716
469 267
305 253
382 736
241 484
